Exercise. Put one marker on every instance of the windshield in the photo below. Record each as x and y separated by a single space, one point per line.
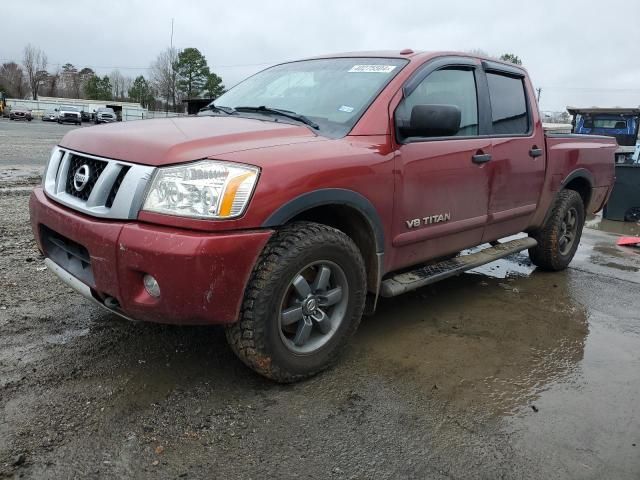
106 110
332 92
69 109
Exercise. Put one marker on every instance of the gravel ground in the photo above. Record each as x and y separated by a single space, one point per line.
505 372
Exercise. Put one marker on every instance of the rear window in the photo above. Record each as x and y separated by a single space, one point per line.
508 105
609 123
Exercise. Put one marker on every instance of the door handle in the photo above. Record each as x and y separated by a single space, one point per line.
535 152
481 158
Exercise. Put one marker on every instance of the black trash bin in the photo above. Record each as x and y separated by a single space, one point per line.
624 201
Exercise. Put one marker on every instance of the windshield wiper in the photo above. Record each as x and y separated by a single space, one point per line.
277 111
215 108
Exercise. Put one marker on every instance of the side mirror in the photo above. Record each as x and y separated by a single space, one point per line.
55 109
433 121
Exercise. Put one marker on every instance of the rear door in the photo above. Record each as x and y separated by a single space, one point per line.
517 167
441 183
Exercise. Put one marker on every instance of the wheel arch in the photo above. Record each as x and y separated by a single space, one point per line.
581 181
349 212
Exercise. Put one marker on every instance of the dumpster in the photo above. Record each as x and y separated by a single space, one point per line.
624 202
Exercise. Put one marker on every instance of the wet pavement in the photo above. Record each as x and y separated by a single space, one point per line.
503 372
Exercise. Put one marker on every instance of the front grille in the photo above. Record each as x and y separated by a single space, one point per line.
70 255
95 170
116 186
113 188
70 115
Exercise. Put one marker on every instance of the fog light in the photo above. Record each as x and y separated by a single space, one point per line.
151 285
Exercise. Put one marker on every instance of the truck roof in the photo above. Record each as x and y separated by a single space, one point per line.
595 110
413 55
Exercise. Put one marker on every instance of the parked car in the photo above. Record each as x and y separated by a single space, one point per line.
50 116
18 113
105 115
69 115
85 116
310 190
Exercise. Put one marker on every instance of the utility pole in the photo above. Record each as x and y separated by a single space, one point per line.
539 90
169 86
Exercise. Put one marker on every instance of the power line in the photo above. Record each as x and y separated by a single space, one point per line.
596 89
117 67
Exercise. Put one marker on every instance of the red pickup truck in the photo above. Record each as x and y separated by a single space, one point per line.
288 207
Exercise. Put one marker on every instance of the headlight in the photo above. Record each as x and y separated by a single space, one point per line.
204 189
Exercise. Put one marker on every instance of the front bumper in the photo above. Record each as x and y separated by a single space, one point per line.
105 120
69 119
202 276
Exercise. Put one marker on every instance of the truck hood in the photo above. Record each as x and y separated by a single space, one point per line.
174 140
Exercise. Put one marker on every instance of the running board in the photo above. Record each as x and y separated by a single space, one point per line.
405 282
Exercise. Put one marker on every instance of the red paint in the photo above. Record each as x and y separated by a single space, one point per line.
201 276
203 266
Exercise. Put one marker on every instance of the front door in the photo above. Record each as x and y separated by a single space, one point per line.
442 183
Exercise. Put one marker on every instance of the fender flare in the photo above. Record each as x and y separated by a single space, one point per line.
330 196
579 173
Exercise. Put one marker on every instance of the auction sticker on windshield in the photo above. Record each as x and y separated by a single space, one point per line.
372 68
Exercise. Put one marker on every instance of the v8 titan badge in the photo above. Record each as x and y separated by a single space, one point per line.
418 222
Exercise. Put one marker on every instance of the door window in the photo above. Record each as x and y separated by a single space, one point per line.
508 105
445 87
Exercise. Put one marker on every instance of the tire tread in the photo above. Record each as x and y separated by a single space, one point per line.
246 337
546 254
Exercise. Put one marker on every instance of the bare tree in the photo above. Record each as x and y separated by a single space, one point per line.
117 84
165 77
52 83
13 80
127 82
35 64
120 85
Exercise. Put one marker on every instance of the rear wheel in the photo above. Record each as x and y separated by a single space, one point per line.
303 302
558 239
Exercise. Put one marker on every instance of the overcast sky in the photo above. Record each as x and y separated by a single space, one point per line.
580 53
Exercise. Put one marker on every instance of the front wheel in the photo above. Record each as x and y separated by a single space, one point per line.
558 239
302 304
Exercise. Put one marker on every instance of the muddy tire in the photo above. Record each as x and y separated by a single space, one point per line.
303 302
558 239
